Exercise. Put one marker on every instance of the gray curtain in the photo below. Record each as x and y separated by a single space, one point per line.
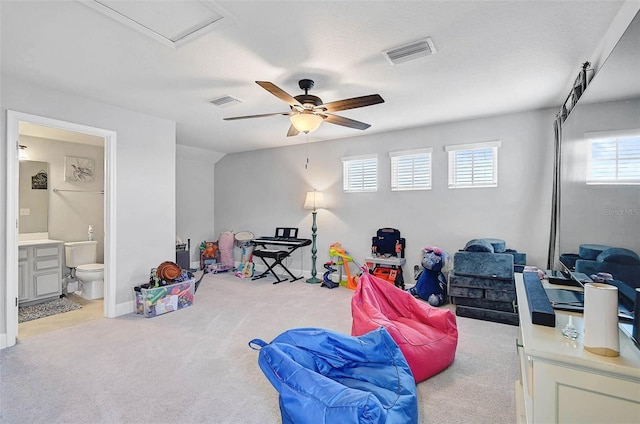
555 199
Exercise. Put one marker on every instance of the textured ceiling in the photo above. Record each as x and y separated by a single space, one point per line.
493 58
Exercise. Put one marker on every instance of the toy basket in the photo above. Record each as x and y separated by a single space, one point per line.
151 302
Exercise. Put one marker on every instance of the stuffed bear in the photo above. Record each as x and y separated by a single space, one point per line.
431 284
210 249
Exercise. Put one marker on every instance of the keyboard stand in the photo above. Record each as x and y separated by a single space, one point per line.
277 256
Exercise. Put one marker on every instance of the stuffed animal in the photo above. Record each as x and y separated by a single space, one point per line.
431 283
210 249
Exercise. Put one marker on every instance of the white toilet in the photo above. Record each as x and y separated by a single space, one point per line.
82 256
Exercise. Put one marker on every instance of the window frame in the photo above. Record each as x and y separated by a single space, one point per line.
347 177
591 137
452 151
411 154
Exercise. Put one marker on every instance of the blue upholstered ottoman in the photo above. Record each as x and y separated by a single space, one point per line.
482 285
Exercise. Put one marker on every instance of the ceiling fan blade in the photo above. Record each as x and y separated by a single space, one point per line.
292 131
233 118
372 99
278 92
345 122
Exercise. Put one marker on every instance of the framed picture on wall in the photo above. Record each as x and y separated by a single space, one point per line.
79 170
39 181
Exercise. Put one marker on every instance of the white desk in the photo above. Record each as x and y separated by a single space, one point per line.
561 382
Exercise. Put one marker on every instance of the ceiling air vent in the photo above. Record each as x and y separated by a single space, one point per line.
414 50
225 101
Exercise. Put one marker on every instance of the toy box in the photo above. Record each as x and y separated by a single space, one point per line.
151 302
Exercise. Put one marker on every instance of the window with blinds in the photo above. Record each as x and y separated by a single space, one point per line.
614 158
360 173
411 170
473 165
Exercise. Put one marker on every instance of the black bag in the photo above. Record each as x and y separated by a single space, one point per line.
385 241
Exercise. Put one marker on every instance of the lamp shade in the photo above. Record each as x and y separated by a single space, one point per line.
306 121
314 200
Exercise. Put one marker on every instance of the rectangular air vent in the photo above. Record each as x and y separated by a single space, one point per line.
407 52
225 101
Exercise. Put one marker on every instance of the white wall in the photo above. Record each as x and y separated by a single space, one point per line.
145 183
71 213
194 196
259 190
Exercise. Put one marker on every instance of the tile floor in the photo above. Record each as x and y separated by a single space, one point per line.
91 309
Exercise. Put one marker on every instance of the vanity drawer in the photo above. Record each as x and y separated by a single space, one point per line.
47 251
47 264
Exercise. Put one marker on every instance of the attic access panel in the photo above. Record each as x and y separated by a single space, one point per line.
173 23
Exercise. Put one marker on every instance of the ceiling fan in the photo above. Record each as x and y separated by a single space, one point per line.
308 111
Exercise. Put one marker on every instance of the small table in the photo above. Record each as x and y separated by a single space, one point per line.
394 264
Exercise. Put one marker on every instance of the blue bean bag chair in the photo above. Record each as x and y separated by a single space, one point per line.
324 377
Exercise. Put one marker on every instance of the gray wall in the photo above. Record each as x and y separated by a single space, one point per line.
259 190
145 184
194 196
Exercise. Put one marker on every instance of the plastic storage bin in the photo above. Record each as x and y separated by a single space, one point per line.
160 300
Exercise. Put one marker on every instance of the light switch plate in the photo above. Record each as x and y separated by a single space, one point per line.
25 211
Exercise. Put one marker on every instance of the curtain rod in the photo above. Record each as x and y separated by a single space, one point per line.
78 191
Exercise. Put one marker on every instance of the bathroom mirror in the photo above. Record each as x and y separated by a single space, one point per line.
33 195
606 214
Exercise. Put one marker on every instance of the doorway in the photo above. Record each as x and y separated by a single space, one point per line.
14 119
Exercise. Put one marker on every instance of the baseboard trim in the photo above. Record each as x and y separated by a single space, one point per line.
124 308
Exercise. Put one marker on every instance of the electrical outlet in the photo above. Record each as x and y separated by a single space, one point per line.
25 211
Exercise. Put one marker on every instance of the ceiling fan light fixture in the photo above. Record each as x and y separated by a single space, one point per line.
306 121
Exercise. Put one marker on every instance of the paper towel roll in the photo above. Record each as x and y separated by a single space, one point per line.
601 319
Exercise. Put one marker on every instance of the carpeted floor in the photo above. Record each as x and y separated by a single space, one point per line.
194 365
45 309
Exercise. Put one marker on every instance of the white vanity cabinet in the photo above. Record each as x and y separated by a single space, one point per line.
561 382
40 270
23 274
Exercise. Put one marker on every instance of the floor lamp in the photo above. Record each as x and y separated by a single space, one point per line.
314 201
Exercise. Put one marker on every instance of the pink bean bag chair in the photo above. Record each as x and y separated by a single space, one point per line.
426 335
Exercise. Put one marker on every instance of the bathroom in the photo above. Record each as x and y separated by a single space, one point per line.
72 208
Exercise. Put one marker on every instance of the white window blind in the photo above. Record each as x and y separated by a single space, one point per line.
473 165
360 173
614 158
411 170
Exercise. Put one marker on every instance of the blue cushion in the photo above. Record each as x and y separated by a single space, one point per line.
499 246
569 259
480 264
619 255
326 377
478 245
627 273
591 251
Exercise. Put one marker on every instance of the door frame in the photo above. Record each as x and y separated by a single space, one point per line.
11 274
